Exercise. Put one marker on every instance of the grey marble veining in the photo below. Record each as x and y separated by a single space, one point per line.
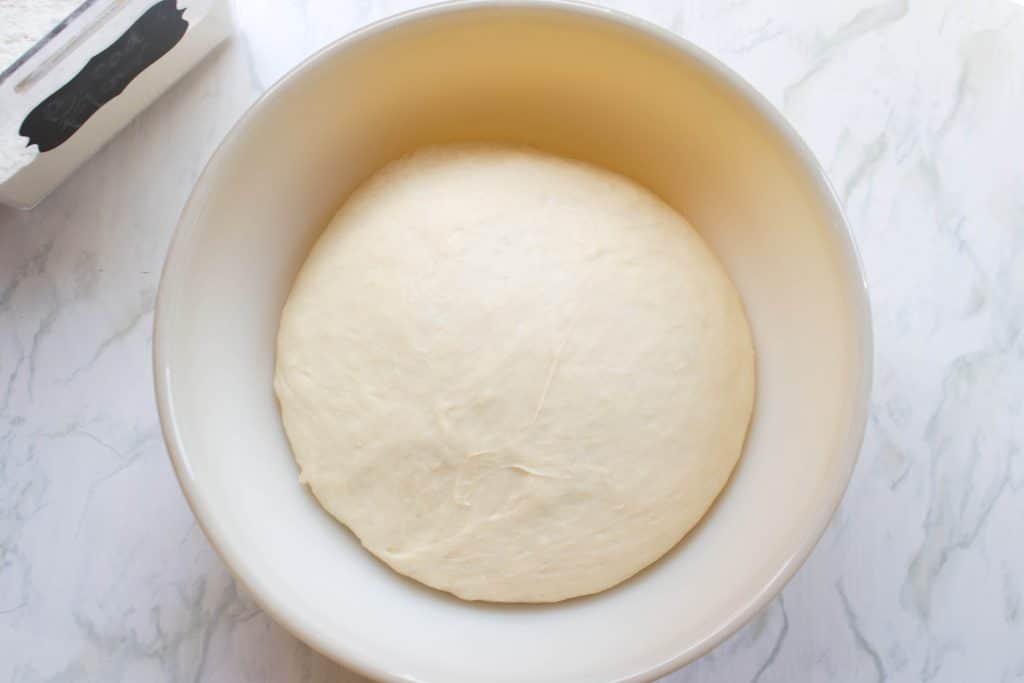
916 109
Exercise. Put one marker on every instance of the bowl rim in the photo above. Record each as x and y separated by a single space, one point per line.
292 619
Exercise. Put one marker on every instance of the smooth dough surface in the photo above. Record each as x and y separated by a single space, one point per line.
515 377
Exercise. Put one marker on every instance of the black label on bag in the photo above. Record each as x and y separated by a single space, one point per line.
105 76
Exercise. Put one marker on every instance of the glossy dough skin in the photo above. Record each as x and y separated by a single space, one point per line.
515 377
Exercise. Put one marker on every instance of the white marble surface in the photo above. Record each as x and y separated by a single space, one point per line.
916 108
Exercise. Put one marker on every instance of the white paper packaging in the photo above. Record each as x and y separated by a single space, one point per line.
80 85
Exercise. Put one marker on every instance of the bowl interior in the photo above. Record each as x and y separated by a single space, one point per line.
571 81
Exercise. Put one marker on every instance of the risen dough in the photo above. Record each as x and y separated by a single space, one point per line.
514 377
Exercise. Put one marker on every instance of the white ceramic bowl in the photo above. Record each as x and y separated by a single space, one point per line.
573 80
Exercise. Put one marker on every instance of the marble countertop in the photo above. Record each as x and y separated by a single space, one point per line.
916 109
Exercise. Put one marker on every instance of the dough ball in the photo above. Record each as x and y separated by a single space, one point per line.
514 377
